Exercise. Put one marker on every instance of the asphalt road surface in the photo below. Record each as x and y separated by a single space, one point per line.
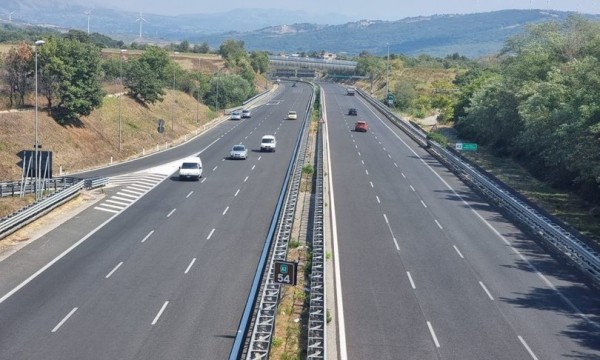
429 270
168 274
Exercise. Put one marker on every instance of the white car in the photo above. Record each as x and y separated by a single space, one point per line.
239 152
292 115
246 114
268 143
236 115
190 168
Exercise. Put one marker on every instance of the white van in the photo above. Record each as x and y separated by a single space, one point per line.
268 143
190 168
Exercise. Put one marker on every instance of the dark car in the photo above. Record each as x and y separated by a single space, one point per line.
361 126
352 112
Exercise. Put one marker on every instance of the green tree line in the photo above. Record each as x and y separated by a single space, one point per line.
71 71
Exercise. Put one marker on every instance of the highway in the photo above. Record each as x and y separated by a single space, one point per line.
165 276
429 270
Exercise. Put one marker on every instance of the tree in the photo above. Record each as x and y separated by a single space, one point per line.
183 46
18 66
232 50
232 90
148 75
70 73
201 49
259 61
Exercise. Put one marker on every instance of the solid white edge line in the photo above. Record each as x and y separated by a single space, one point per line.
412 283
432 332
190 266
486 291
160 313
211 234
171 213
190 194
113 270
527 348
458 251
147 236
225 211
343 355
64 320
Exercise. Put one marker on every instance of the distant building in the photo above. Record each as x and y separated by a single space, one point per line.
328 56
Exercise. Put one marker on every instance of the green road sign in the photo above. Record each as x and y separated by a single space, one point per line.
390 97
466 146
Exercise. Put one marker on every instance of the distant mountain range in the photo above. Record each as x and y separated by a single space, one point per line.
472 35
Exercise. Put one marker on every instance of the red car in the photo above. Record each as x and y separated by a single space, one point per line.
361 126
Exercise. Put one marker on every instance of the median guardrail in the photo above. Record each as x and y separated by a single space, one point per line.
566 242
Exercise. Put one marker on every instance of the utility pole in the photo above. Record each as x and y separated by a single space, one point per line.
387 74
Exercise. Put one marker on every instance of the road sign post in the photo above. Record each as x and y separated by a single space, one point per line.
286 272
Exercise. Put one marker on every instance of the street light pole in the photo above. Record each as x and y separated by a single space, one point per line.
36 156
217 98
387 74
120 95
198 93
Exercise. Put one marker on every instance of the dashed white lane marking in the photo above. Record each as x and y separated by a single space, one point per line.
386 219
147 236
438 224
253 166
412 188
64 320
412 283
378 201
160 313
396 165
171 213
458 251
215 168
236 193
404 176
390 156
190 194
113 270
424 205
260 157
246 179
527 348
190 266
225 211
362 161
359 153
203 180
486 291
211 234
366 171
435 340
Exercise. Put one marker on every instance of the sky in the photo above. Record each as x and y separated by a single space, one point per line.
355 9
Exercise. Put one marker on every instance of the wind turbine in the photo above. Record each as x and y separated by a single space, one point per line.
141 20
88 13
10 16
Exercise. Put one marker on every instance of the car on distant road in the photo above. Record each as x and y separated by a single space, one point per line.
292 115
239 152
352 112
246 114
236 115
268 143
361 126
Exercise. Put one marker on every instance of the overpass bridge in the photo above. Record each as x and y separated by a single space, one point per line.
298 67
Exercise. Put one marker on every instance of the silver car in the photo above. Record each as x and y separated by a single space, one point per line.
239 152
236 115
246 114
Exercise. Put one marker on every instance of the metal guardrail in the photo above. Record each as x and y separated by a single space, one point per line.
96 182
253 339
317 310
567 243
18 188
26 215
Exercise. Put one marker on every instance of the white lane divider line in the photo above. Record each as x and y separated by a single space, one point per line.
147 236
260 157
246 179
211 234
486 291
362 161
113 270
190 194
236 193
366 171
171 213
190 266
396 165
370 182
439 225
64 319
359 153
412 283
160 313
527 348
390 156
215 168
412 188
253 166
225 211
386 219
404 176
378 201
458 251
435 340
203 180
424 205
